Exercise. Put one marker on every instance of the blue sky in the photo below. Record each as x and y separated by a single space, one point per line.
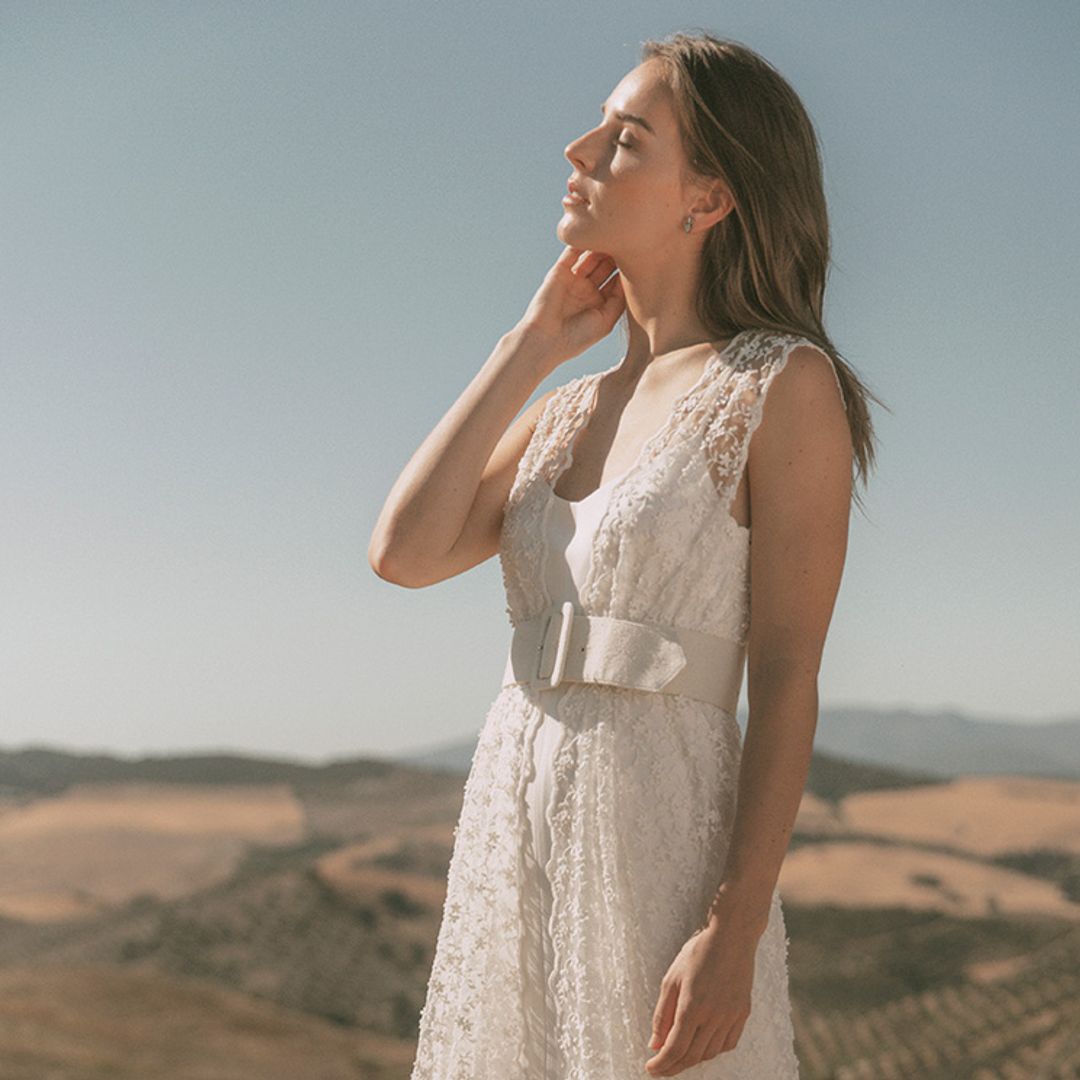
253 252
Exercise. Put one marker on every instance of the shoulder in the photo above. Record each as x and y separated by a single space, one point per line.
536 409
802 402
809 373
797 366
541 402
766 349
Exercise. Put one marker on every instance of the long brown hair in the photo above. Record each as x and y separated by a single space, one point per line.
765 263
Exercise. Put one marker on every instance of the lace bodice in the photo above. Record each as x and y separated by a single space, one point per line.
691 570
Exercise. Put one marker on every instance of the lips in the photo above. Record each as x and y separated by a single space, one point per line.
573 189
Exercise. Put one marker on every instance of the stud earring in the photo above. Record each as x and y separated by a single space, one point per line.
688 224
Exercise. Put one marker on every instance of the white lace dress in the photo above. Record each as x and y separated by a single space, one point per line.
569 531
549 967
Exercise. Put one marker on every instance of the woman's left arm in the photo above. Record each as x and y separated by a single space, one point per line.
799 465
800 476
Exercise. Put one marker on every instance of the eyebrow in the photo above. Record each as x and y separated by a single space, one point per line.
630 118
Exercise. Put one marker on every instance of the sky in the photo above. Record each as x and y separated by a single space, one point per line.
252 252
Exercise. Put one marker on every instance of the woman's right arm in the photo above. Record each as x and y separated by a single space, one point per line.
444 513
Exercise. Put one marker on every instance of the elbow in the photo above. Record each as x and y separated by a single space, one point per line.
380 558
381 568
381 561
393 569
391 574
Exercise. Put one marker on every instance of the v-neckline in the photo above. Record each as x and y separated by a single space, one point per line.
585 415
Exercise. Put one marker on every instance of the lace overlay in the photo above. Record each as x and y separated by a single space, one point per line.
645 784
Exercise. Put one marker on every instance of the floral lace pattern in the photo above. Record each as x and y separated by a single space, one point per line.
645 784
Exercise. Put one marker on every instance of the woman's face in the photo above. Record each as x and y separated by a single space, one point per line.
630 172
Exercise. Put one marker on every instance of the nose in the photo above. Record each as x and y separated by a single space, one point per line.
572 153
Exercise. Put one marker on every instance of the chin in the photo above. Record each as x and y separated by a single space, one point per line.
568 231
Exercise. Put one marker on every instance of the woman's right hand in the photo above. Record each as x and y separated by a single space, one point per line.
570 310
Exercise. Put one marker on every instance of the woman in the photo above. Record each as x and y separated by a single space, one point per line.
611 907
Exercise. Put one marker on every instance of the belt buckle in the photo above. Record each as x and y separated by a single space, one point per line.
566 622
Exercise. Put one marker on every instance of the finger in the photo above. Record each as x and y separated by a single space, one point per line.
589 263
602 270
716 1043
613 285
734 1034
614 300
675 1047
595 265
725 1038
568 256
695 1052
664 1016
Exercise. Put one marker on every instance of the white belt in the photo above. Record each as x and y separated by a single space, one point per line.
559 646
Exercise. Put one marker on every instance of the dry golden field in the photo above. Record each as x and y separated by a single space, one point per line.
283 926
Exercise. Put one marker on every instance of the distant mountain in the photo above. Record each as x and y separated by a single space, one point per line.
950 744
40 770
453 756
854 750
942 745
426 778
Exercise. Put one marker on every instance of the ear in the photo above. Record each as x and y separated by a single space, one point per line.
714 202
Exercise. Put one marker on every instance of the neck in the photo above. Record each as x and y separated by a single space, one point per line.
660 308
